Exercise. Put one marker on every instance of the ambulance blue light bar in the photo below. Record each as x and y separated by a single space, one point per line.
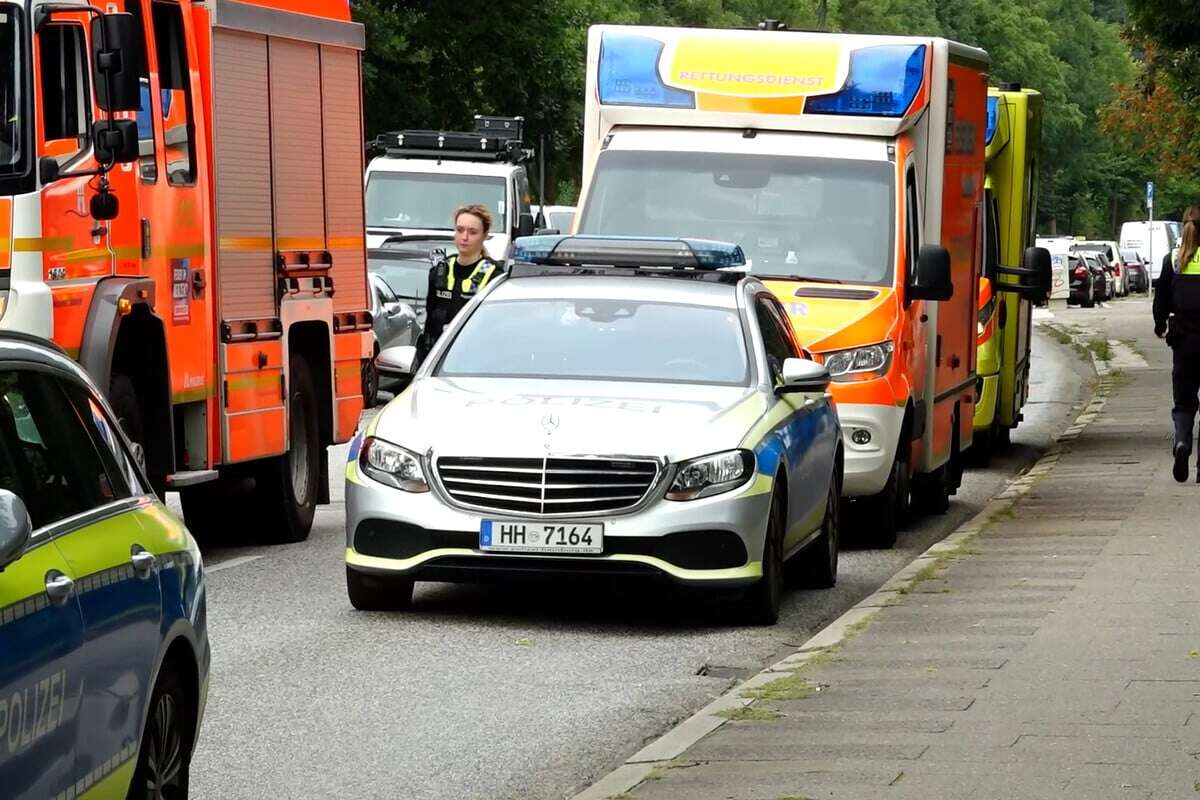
993 119
629 74
627 251
883 82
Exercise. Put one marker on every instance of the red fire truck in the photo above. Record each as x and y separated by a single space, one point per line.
181 210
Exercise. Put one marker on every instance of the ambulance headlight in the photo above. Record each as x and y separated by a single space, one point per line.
392 465
859 363
709 475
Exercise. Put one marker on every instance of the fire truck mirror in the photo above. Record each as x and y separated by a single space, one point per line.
116 141
48 170
114 48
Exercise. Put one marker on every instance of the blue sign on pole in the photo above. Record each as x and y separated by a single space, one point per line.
1150 193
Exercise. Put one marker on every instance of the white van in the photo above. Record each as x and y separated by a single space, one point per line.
1151 241
1060 279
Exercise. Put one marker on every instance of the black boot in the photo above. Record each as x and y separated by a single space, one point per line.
1182 456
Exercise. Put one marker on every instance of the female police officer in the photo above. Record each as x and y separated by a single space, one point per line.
455 280
1177 316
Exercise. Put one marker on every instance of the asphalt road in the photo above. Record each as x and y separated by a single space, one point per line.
501 692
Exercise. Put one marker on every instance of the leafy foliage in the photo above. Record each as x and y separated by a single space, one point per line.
1108 126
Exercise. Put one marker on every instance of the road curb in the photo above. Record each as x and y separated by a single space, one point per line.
671 745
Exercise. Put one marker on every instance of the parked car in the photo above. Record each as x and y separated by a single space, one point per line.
658 423
1086 283
1110 260
1103 276
399 270
103 635
1151 240
1139 271
559 218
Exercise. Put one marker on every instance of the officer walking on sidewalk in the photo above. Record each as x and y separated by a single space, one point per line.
1177 317
455 280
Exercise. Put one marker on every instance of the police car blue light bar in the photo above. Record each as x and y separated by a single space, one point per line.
627 251
883 82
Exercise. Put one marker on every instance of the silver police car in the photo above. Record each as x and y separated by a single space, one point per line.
611 406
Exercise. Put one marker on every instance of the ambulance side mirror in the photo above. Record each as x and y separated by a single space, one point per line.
114 48
15 528
931 279
1037 260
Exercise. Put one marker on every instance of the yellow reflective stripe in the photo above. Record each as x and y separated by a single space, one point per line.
108 780
254 381
762 484
249 243
79 256
746 572
192 395
301 242
345 242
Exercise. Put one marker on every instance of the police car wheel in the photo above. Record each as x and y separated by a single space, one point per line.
378 592
761 601
165 753
287 484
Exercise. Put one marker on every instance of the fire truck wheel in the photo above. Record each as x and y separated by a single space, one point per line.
931 493
124 401
287 485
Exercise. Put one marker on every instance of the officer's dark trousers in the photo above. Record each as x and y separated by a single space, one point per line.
1185 386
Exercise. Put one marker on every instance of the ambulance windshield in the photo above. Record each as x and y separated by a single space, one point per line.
12 154
427 201
820 218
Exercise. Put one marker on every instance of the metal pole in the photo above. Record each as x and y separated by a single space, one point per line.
1150 229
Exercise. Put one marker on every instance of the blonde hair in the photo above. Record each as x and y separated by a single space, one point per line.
476 210
1191 236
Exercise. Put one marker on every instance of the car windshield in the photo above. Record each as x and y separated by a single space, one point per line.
560 220
820 218
599 339
12 152
419 200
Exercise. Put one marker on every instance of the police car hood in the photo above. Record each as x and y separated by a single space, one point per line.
519 418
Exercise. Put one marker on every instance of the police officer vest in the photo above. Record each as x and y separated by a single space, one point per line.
469 284
1193 266
1185 294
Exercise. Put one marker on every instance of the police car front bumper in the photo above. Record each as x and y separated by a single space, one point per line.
715 541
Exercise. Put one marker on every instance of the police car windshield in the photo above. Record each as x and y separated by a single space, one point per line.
12 151
822 218
603 340
419 200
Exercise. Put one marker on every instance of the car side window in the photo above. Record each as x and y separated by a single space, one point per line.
107 441
53 456
777 342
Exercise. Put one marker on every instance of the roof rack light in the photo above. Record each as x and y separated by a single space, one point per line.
628 251
494 139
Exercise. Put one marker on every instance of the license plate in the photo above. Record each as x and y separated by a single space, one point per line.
516 536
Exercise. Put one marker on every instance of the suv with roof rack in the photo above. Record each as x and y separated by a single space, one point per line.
614 407
417 178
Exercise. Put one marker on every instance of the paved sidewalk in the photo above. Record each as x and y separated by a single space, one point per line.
1054 654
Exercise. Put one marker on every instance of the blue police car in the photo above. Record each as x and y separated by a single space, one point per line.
104 653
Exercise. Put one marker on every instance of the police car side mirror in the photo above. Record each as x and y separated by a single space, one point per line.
396 361
16 529
803 375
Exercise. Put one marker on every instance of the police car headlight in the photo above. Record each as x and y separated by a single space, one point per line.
859 363
392 465
709 475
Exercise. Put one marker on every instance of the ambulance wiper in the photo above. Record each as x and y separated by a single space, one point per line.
799 278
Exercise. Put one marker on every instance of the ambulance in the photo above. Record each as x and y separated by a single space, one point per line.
1015 273
850 169
181 210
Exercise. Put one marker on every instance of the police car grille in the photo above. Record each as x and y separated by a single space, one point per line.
547 485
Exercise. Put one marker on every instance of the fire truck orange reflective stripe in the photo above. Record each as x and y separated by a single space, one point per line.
301 242
345 242
253 243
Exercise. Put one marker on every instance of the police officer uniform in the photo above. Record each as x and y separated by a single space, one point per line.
1177 314
451 286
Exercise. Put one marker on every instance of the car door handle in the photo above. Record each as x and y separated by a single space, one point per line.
58 587
143 562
